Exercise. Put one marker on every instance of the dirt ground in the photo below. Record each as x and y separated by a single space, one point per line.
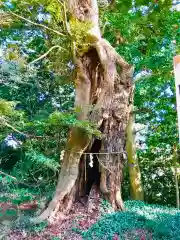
81 216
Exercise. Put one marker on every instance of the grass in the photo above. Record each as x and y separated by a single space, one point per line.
139 221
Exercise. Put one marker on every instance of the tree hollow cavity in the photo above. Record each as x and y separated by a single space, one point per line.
93 174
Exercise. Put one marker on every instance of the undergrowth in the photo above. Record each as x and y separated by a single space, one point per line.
12 197
139 221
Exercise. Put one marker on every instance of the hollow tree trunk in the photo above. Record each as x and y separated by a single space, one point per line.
98 83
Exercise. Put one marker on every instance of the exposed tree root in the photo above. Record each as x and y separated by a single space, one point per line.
57 201
66 187
119 201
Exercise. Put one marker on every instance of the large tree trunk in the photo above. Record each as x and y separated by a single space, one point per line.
104 80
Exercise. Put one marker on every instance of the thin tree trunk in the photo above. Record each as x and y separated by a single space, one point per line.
176 176
98 83
136 187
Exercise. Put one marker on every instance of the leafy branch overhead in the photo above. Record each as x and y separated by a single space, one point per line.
73 32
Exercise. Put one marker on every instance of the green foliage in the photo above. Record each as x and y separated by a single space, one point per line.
40 227
36 168
41 160
8 112
9 115
5 20
6 108
69 120
55 238
157 175
105 207
138 221
34 95
80 34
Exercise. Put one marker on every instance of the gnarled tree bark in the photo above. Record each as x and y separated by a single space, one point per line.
104 80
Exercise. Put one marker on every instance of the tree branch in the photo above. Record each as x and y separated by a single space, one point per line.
67 28
117 57
139 130
142 110
45 54
35 24
112 4
14 129
17 131
104 27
